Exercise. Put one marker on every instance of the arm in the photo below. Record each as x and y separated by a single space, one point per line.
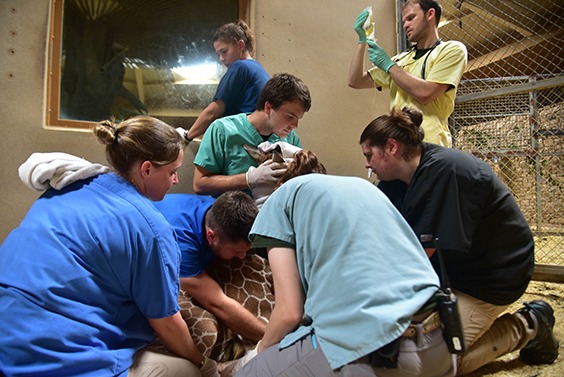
207 183
213 111
210 295
289 297
268 173
176 337
358 76
423 91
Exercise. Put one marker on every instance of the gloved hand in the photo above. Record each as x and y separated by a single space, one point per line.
267 173
182 132
379 57
359 26
209 369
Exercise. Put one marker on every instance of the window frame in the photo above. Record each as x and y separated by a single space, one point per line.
53 89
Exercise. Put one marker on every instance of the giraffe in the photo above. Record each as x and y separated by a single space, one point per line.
249 282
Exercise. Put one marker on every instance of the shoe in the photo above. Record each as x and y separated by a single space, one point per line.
543 349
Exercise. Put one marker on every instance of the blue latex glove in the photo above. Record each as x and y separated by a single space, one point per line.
379 57
359 26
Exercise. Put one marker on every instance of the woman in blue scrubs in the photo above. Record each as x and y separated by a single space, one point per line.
90 276
239 89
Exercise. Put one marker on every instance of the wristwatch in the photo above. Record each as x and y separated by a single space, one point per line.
186 137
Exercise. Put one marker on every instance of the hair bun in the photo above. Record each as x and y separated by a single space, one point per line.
415 115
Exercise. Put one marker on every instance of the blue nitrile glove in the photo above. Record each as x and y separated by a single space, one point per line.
359 26
379 57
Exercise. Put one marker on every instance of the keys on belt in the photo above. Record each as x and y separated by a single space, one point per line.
429 324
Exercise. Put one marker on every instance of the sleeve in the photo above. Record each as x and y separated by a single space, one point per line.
380 78
266 242
231 84
274 218
156 265
211 153
293 139
191 264
446 203
449 65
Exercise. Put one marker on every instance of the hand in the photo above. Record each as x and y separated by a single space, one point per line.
182 132
267 173
379 57
209 369
359 26
288 150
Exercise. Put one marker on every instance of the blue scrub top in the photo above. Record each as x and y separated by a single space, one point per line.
80 276
241 86
186 214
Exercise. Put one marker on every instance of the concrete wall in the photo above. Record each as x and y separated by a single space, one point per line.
313 40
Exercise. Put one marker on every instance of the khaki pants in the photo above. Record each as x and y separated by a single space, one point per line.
150 363
488 335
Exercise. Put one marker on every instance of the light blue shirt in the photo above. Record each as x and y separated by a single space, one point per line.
363 271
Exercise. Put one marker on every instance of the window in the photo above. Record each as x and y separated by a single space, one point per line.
126 57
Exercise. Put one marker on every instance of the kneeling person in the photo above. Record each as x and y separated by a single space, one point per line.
350 279
208 229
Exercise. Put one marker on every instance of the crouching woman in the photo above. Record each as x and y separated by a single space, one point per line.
91 273
355 291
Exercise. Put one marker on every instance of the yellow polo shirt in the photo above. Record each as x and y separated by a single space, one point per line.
444 64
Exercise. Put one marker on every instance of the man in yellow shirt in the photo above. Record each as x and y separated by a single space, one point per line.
425 76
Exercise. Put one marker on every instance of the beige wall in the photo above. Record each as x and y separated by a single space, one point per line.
312 39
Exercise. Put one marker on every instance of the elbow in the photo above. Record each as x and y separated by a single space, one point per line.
198 189
425 98
352 84
292 318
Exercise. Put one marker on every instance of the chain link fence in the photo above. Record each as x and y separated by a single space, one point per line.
509 105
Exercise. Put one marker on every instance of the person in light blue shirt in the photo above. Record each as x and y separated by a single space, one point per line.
355 292
222 163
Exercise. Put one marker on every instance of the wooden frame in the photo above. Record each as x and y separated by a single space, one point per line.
53 92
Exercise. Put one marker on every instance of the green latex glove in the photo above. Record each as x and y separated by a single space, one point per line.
379 57
359 26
